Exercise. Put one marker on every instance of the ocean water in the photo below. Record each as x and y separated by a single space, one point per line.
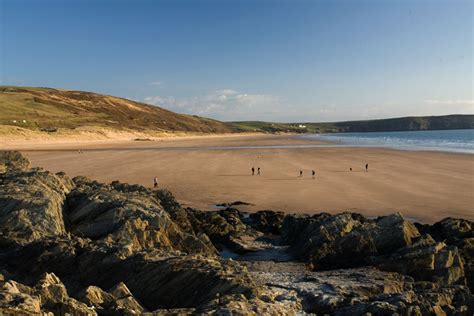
460 140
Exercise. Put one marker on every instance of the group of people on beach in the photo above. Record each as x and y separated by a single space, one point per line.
253 171
313 173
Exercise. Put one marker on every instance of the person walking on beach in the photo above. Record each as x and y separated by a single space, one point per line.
313 173
366 167
350 169
301 173
258 171
155 182
253 171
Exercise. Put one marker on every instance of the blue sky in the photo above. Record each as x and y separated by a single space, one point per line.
249 60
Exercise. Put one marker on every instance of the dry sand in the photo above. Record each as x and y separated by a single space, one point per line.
425 186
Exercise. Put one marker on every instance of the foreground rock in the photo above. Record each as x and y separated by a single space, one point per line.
129 217
32 204
357 291
80 247
390 243
48 295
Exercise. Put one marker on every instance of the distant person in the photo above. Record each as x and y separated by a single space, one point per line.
350 169
253 171
258 171
313 173
366 167
155 182
301 173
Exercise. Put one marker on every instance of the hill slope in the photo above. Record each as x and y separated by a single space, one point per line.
49 109
383 125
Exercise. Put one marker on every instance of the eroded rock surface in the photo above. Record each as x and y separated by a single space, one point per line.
80 247
129 217
32 203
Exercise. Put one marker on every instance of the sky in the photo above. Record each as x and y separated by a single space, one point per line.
282 61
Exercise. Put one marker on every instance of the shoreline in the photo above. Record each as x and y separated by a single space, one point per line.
302 142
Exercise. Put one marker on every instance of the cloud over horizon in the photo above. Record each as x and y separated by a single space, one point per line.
224 104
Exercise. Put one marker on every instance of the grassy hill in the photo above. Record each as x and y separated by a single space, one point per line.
383 125
49 109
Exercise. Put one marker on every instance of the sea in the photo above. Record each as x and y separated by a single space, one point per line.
460 140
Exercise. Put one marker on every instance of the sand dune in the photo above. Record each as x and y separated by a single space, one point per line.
425 186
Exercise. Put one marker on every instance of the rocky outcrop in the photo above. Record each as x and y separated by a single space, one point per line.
13 160
459 233
117 301
390 241
324 238
128 217
48 296
426 260
80 247
225 228
32 204
266 221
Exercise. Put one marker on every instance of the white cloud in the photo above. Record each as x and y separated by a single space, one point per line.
225 104
447 102
156 83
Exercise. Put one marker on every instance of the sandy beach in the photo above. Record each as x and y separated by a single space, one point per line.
424 186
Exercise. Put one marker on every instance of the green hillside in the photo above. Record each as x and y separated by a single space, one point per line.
46 109
383 125
51 109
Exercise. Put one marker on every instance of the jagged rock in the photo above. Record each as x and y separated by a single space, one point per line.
49 295
391 243
317 238
392 232
267 221
225 228
55 298
426 260
449 229
357 291
118 301
327 291
240 305
459 233
434 301
155 281
81 237
218 224
13 160
125 300
16 298
32 204
128 217
327 241
186 282
96 297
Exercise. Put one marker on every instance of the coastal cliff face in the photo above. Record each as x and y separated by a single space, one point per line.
79 247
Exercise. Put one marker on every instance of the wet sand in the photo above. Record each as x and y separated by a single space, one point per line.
425 186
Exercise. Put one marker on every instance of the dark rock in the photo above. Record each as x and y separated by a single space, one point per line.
327 241
129 217
82 247
426 260
49 295
13 160
32 204
267 221
225 228
459 233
